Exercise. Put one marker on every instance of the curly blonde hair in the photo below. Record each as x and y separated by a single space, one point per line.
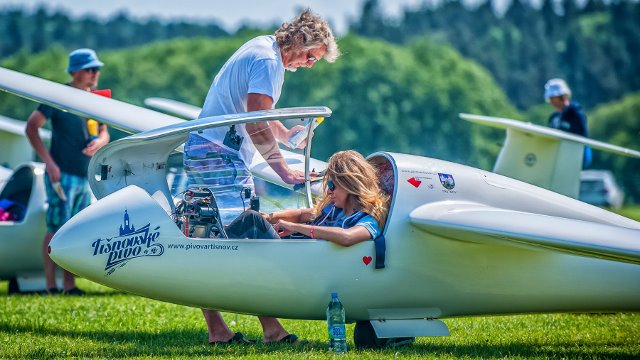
351 171
307 31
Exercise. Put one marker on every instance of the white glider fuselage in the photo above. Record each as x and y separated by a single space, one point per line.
21 240
428 274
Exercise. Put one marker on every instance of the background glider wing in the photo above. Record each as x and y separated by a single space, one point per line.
545 157
550 133
118 114
178 108
16 148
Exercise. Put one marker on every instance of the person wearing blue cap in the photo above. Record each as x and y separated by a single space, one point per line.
67 160
569 115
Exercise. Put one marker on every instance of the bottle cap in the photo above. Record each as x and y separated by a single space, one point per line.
334 295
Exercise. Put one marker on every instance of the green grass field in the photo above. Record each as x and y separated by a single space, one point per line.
632 212
109 324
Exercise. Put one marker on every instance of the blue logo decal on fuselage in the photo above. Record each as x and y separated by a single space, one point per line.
129 245
447 181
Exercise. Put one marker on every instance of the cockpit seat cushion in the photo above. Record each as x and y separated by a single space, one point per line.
385 174
11 210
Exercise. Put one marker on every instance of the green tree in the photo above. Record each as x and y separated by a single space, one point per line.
595 46
618 123
383 96
36 31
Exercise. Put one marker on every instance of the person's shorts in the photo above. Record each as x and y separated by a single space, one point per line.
76 189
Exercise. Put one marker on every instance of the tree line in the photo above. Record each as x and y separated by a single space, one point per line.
36 31
402 96
383 96
595 47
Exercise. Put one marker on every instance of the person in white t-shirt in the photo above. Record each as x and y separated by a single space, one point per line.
219 158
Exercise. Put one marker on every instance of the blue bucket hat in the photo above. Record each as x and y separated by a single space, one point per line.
556 87
83 59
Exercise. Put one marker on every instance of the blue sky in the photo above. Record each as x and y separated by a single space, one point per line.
230 14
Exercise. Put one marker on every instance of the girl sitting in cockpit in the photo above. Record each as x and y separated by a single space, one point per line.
352 209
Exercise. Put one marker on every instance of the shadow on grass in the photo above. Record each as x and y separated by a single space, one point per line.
174 343
87 294
191 343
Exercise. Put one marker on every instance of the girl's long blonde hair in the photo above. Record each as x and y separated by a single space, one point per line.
351 171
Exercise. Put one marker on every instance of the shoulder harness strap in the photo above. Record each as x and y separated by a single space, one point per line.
379 241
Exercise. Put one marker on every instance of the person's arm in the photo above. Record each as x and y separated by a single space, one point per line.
264 140
291 215
280 131
283 134
95 145
340 236
582 122
34 123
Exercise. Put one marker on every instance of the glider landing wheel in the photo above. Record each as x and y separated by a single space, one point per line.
364 337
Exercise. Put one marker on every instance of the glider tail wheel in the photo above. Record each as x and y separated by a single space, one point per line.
364 337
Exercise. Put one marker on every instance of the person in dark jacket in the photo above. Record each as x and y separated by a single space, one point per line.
569 115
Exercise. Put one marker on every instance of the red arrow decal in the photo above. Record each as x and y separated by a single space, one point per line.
415 182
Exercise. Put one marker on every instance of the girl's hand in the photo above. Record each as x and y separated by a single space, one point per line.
284 228
267 217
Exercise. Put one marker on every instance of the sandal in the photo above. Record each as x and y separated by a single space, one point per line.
75 292
290 339
49 291
238 338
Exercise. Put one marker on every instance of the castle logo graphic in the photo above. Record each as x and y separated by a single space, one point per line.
130 244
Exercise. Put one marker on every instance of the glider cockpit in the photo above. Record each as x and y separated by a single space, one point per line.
141 160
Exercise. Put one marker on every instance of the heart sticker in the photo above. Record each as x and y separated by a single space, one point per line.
366 259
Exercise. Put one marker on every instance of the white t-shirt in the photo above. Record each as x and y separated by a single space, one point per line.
256 67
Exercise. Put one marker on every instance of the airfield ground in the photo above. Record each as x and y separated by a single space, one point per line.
110 324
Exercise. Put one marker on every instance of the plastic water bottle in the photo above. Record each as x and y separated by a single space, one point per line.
335 322
300 135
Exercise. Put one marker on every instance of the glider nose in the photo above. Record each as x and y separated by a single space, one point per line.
70 246
121 226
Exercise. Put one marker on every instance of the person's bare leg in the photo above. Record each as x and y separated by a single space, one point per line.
49 265
68 280
272 329
218 329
